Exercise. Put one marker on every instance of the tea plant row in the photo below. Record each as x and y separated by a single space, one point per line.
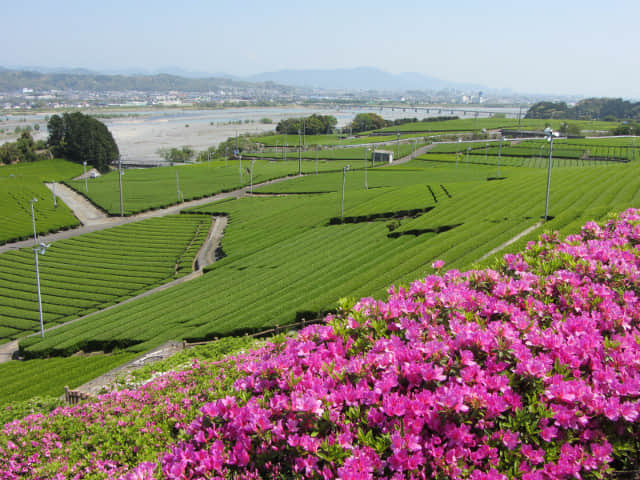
89 272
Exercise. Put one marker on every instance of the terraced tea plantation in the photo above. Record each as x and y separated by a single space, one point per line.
21 183
93 271
296 247
290 257
535 153
146 189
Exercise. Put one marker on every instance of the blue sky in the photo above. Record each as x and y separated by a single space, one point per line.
566 47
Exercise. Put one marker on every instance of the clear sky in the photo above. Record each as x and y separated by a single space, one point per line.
582 47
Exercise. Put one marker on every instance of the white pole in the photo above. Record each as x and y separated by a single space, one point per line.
53 190
120 183
299 153
33 221
252 175
365 170
86 185
546 206
344 175
499 155
178 186
35 252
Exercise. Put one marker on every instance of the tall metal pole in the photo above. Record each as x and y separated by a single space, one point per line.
178 186
251 188
299 153
366 187
457 150
120 183
316 159
546 205
84 168
344 175
240 166
33 222
35 253
53 191
499 155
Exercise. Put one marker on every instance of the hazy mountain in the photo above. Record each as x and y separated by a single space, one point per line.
362 78
15 80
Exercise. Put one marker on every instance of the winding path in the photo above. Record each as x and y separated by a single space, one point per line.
94 219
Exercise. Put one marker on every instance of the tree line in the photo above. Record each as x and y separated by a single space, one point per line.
364 122
613 109
24 149
311 125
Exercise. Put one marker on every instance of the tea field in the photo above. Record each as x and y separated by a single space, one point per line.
290 256
290 252
90 272
21 183
147 189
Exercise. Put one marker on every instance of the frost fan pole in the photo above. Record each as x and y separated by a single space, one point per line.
120 183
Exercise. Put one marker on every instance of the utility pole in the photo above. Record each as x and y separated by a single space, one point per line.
499 155
33 221
366 187
251 188
550 134
120 182
344 175
178 186
299 153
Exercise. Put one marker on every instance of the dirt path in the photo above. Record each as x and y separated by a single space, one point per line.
108 222
82 208
207 254
412 155
511 240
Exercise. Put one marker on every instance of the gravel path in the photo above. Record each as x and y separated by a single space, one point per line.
108 222
511 240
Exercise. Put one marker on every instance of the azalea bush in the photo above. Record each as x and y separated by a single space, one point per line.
530 370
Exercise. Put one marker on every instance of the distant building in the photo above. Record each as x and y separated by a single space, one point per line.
382 156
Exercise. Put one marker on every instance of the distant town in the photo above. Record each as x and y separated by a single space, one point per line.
21 90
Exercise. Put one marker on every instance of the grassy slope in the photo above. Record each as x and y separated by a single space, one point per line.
284 258
86 273
22 182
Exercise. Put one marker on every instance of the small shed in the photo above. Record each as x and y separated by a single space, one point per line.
382 156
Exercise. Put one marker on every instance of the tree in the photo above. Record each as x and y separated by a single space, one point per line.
79 138
364 122
9 153
570 129
25 146
311 125
177 155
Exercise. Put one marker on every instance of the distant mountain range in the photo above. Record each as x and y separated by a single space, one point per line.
362 78
174 78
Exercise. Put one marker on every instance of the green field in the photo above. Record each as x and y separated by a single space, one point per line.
286 258
473 124
92 271
293 141
19 184
287 251
354 153
146 189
